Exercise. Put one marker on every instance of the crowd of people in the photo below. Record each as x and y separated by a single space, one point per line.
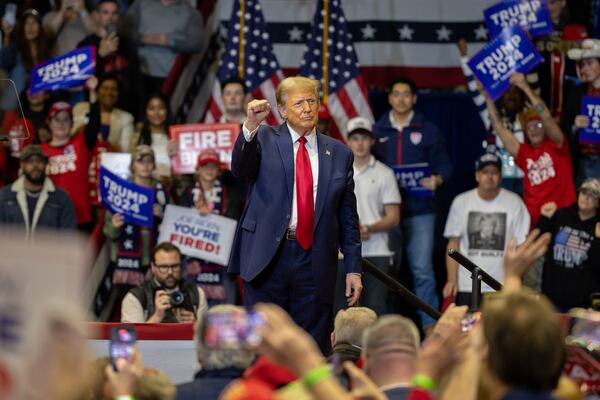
533 217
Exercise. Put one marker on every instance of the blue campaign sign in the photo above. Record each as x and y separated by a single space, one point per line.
409 176
66 71
531 15
507 53
133 201
590 107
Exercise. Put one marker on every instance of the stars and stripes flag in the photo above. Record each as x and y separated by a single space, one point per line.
330 58
248 55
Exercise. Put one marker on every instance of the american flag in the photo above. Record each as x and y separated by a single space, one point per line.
330 58
249 55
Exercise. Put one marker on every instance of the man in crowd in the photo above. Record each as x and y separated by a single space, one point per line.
378 206
526 350
301 209
163 29
480 224
403 136
234 96
220 366
167 297
116 55
347 335
390 349
571 274
33 201
587 155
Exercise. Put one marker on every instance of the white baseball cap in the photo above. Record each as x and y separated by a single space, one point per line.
360 124
590 48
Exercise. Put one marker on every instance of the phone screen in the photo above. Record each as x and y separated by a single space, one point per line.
10 13
122 340
585 331
232 330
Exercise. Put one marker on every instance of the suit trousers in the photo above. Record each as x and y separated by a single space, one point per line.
288 281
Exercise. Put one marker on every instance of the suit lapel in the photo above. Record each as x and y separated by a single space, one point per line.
324 175
286 151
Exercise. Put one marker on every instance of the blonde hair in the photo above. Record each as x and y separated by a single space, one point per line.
295 84
350 324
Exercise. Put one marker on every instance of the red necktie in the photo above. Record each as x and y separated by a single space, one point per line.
304 197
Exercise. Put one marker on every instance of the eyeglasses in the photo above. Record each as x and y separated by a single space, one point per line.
166 267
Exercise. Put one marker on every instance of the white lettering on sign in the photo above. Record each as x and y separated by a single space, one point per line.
593 112
519 14
502 60
62 68
122 197
205 139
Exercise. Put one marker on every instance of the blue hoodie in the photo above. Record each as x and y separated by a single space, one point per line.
421 142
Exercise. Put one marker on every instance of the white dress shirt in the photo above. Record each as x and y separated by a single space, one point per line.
313 154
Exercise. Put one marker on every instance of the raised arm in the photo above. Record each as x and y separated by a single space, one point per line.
551 127
246 152
510 142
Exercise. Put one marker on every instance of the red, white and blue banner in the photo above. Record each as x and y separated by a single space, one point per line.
390 38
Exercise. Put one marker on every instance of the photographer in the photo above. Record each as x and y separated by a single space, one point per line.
167 297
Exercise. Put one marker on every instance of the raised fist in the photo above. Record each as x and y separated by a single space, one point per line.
257 111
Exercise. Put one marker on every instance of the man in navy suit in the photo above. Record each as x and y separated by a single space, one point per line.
301 210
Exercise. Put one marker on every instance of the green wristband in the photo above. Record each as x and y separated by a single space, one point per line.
314 376
423 381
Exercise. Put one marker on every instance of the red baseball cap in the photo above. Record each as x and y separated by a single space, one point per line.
209 156
58 107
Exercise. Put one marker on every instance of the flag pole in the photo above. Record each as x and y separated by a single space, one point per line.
325 66
241 41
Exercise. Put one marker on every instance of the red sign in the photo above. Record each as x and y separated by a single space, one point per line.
193 138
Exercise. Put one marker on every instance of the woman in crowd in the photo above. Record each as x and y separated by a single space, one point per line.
116 130
212 193
571 272
154 132
545 159
24 46
131 245
69 155
116 125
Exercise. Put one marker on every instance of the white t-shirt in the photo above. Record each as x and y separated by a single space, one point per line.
375 186
484 229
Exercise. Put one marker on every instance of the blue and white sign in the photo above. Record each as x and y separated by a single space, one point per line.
507 53
133 201
410 175
590 107
66 71
531 15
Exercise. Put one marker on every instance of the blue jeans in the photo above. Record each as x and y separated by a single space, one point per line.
418 234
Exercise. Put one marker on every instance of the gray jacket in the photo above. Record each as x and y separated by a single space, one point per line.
53 210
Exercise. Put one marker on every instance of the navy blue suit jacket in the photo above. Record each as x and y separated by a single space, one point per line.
268 161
